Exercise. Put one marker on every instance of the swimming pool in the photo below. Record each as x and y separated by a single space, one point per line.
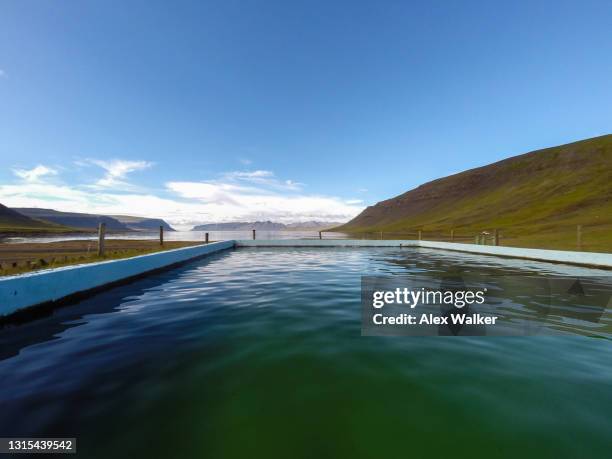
259 353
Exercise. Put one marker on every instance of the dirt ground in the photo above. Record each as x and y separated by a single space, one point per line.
26 257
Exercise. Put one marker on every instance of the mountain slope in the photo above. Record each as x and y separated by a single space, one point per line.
11 220
73 219
536 192
143 223
91 221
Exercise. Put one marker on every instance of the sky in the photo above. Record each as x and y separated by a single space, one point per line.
284 110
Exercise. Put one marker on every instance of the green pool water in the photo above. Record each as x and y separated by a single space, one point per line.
258 353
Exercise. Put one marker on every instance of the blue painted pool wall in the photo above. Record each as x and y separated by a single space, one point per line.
25 290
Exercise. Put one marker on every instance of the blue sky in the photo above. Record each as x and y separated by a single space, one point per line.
232 110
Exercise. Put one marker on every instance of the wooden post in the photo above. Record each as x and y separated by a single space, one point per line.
477 239
101 234
253 234
420 235
381 235
496 236
452 235
579 237
206 238
161 235
320 236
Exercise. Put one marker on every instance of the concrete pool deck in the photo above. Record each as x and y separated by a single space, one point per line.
51 287
588 259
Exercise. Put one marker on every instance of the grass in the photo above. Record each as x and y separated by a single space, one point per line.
535 200
30 230
29 257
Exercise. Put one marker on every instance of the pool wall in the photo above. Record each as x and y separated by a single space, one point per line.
49 287
52 285
325 243
589 259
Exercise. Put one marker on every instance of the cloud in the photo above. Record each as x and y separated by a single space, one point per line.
235 196
262 178
245 161
227 202
35 174
250 175
117 170
3 74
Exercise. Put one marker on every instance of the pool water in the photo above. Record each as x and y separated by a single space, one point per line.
259 353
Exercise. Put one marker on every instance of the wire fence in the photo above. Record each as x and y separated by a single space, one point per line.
586 237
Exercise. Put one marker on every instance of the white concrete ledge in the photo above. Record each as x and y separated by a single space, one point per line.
595 259
31 289
591 259
325 243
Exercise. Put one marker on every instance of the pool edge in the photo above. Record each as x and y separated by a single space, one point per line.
42 291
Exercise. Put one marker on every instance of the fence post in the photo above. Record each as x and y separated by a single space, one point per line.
206 238
496 236
420 235
452 235
161 235
253 234
381 235
320 236
101 234
579 237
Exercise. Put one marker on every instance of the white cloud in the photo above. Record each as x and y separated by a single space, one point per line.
35 174
245 161
227 202
262 178
354 201
2 74
246 195
250 175
117 170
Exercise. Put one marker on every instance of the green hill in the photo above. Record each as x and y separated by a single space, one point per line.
536 199
90 222
12 221
143 223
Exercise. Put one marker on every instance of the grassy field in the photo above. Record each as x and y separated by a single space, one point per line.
12 230
28 257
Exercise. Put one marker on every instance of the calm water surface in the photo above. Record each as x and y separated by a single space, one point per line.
258 353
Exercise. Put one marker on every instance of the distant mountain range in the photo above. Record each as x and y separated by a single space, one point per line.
266 226
49 219
11 220
142 224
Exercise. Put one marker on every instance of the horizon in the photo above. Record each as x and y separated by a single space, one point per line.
189 226
215 113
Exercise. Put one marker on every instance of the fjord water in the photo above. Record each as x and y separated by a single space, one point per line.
177 236
258 353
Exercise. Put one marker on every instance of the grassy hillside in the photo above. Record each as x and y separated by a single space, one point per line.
142 223
72 219
14 222
535 199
